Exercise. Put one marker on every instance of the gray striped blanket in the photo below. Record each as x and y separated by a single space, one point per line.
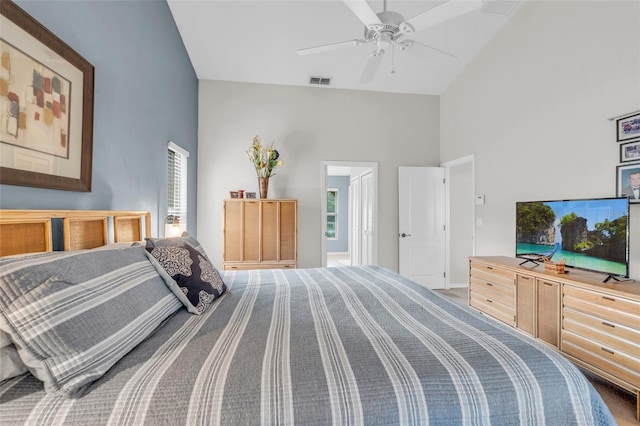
344 346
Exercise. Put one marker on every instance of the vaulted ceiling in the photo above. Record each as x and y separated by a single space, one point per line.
256 41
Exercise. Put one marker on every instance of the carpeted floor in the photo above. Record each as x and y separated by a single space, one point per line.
621 403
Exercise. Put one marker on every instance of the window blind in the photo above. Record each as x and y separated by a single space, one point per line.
177 183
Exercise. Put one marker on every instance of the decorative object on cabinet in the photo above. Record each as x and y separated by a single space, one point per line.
250 195
265 160
260 234
593 324
628 128
61 107
628 181
234 194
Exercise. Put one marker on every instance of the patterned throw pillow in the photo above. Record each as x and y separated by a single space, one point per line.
194 280
185 238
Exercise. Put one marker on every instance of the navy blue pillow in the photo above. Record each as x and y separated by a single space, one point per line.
198 281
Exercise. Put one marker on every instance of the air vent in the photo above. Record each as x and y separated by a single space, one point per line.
499 7
321 81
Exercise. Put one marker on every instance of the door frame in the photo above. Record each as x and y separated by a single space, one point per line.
323 204
447 194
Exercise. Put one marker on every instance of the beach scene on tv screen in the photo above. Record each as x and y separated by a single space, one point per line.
590 234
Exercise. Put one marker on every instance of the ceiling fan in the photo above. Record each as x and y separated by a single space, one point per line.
387 30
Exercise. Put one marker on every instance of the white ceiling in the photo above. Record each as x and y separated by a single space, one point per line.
256 41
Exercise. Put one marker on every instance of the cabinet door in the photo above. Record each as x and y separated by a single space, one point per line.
269 231
251 231
549 312
288 230
232 231
525 303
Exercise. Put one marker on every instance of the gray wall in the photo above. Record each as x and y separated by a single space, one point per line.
309 125
145 95
341 183
535 106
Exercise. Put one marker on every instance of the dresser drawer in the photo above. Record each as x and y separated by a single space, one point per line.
606 358
609 308
500 311
492 274
495 292
610 334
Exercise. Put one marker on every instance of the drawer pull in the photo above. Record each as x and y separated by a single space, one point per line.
490 301
523 277
490 285
234 267
609 298
489 267
608 325
546 283
609 351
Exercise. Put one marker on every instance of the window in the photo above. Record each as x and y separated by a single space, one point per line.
332 213
177 183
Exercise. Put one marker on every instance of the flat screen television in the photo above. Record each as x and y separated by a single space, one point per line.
590 234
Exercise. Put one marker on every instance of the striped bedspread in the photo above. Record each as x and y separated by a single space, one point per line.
344 346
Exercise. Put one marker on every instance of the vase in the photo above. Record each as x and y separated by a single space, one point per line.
263 183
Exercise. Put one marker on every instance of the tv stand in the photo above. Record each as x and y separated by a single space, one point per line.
613 277
593 323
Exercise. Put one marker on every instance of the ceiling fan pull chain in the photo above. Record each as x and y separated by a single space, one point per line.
393 58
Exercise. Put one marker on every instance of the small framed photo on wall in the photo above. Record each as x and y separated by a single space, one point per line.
630 151
628 127
628 181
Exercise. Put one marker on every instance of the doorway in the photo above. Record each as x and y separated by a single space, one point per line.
349 213
460 219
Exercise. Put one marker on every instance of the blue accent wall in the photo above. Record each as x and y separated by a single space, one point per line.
146 93
341 244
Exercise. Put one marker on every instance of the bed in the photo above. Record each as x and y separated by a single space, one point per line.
347 345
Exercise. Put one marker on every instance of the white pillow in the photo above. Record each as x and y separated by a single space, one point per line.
10 363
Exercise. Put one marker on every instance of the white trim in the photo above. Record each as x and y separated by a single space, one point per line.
178 149
447 166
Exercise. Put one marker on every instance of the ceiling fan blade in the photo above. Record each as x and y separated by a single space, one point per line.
363 11
330 47
371 67
420 49
439 14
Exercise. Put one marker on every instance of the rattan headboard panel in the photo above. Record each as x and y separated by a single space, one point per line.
29 231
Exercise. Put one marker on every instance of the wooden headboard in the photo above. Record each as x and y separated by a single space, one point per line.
29 231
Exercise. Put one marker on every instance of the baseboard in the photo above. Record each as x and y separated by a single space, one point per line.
458 285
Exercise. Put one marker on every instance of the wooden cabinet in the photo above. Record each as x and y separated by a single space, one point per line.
260 234
538 308
594 324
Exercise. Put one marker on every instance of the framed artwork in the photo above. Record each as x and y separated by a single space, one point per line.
628 181
630 151
46 107
628 127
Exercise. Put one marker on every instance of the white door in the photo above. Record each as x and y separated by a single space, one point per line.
354 211
421 234
366 207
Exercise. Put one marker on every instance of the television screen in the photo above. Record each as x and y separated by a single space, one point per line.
591 234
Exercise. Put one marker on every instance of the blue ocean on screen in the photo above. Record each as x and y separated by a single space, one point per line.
589 234
576 259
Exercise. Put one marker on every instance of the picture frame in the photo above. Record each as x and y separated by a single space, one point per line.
626 176
628 127
234 194
47 138
630 151
250 194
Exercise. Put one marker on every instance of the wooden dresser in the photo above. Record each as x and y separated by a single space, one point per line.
260 234
595 325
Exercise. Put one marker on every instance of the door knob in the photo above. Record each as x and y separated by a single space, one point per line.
405 235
